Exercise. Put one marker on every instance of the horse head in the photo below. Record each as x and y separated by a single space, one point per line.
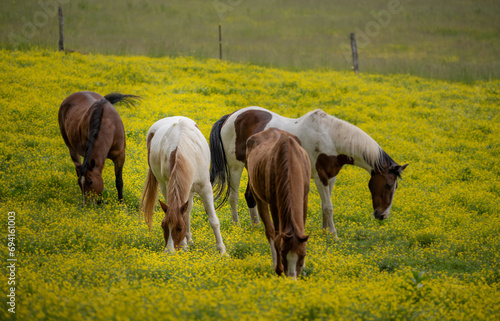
383 184
291 252
174 225
90 180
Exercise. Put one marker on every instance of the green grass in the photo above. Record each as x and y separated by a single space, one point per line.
453 40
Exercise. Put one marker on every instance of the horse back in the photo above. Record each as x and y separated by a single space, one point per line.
74 122
251 120
245 123
174 138
276 160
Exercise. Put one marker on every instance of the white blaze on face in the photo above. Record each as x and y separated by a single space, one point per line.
388 210
292 259
170 243
273 252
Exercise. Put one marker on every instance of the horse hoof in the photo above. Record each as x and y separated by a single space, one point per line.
222 251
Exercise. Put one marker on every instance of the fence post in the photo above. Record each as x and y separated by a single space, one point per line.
61 33
220 41
354 53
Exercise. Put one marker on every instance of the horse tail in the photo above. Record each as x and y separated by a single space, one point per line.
219 170
95 120
149 196
129 100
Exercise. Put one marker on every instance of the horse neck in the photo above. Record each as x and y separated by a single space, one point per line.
94 121
290 194
353 142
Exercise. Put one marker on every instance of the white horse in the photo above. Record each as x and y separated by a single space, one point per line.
179 160
330 144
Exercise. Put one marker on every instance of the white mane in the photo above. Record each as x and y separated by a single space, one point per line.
350 139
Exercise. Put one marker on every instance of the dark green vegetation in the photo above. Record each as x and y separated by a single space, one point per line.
453 40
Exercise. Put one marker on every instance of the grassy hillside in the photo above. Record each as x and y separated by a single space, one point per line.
454 40
101 263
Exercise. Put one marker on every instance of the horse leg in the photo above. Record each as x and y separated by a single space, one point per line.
269 228
208 203
75 157
326 203
118 175
235 174
189 238
76 160
251 205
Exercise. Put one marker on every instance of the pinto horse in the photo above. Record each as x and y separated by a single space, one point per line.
91 127
179 161
278 175
330 143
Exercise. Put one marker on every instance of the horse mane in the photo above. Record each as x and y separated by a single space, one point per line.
388 162
285 202
181 173
353 141
95 120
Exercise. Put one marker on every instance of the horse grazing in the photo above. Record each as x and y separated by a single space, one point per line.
179 160
278 175
330 144
91 127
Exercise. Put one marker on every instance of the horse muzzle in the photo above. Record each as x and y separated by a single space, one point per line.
381 215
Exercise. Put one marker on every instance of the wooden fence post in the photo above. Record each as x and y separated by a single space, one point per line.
354 53
61 33
220 41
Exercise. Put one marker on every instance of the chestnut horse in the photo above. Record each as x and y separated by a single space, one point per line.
330 144
91 127
278 175
179 161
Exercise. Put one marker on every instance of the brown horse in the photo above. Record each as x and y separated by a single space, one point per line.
279 172
91 127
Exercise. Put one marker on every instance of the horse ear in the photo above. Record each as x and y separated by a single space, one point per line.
184 207
303 238
397 169
163 206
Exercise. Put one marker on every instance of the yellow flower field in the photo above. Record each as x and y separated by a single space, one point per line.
435 258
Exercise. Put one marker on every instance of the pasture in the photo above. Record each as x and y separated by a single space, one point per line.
436 256
448 39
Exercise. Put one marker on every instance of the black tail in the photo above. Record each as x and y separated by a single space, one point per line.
219 171
129 100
